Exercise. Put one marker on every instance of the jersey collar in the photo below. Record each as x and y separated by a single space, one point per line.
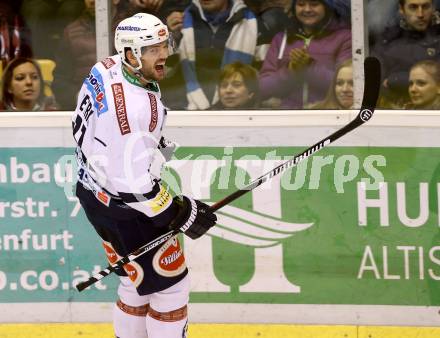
130 77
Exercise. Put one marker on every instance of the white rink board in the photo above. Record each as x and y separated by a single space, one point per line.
258 128
396 129
307 314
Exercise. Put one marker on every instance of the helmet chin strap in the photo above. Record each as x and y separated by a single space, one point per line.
136 72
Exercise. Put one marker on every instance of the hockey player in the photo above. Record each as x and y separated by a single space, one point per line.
117 122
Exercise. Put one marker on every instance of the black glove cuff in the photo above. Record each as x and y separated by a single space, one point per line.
185 212
191 214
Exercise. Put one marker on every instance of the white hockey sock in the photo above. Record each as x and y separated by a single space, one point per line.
128 326
161 329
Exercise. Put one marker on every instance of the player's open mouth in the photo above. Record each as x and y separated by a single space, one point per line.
160 70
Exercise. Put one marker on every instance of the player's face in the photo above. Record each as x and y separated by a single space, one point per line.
153 61
310 12
25 84
344 87
423 90
233 92
417 13
213 6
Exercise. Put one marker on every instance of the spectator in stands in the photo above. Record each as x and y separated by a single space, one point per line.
15 39
171 13
46 20
300 63
77 52
415 38
22 87
424 85
131 7
238 87
379 16
383 14
272 17
149 6
340 93
214 34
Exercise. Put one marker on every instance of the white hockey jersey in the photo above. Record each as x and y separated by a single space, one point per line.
117 126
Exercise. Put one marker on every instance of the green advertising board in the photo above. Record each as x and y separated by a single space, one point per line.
350 225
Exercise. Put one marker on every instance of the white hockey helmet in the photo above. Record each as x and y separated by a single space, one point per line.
137 31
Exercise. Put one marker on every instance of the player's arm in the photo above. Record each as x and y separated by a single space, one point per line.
140 190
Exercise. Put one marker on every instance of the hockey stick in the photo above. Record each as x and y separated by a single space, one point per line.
371 93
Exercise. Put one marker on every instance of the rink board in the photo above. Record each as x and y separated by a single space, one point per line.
312 246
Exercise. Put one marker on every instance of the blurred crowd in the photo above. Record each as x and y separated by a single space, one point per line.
231 54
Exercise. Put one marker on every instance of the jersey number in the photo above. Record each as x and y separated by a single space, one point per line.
86 108
78 126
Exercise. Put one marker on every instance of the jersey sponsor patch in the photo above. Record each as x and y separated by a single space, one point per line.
121 111
169 260
160 202
95 85
112 255
103 198
134 272
154 115
108 63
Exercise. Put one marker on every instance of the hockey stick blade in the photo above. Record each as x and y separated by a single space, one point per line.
371 94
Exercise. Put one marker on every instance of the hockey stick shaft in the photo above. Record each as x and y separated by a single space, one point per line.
371 93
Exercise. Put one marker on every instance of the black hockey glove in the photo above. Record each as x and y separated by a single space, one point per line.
193 217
